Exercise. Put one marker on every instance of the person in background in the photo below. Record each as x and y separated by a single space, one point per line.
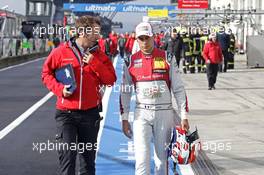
212 53
196 51
126 36
157 40
231 50
129 44
188 62
173 46
56 42
224 42
114 42
101 43
121 45
162 39
203 40
108 43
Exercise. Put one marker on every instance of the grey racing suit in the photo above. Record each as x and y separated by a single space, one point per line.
152 78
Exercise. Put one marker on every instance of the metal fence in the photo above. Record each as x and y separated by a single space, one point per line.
17 47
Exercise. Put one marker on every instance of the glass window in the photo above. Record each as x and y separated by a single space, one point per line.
6 27
39 8
18 24
48 8
13 21
1 23
9 29
32 9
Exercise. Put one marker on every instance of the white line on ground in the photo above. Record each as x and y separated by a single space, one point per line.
186 169
22 64
105 102
24 116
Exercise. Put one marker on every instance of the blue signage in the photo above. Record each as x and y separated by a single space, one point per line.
83 7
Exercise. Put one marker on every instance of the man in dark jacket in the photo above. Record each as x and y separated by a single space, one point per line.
174 46
231 49
196 51
121 45
224 41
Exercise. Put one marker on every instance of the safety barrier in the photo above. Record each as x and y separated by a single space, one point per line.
10 47
255 52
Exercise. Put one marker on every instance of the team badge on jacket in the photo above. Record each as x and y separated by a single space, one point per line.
159 63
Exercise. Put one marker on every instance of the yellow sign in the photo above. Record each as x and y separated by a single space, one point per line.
158 13
159 63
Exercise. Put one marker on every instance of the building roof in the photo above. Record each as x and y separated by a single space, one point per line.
60 2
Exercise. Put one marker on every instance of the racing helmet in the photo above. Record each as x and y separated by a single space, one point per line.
184 147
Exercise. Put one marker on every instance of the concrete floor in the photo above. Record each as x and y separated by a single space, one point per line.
230 119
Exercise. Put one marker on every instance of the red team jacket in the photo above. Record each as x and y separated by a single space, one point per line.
129 44
101 43
89 77
213 52
113 46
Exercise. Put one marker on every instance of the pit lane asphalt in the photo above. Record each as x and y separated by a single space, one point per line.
232 113
20 88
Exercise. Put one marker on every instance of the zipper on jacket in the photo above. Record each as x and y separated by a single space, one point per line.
77 53
81 81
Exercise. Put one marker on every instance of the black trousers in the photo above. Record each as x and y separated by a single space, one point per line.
200 62
77 131
226 59
212 70
231 61
122 51
186 62
178 60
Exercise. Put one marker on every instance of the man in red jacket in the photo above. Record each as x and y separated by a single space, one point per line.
130 43
212 53
101 43
77 116
114 42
